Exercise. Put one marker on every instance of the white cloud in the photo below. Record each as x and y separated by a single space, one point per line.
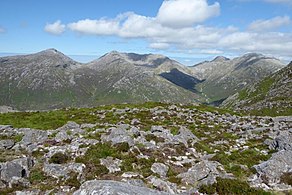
264 25
95 27
185 13
159 45
55 28
190 37
211 51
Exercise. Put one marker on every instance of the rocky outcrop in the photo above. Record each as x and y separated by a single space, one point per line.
204 172
101 187
160 169
269 173
282 142
16 170
118 135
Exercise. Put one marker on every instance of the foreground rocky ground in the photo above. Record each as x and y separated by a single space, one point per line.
147 149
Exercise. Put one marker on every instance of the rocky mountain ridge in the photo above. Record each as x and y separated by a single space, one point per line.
49 79
224 77
270 96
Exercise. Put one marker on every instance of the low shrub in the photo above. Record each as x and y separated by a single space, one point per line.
59 158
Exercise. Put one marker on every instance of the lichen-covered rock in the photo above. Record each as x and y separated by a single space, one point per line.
33 136
160 169
204 172
118 135
162 185
5 127
113 165
184 135
6 144
62 136
282 142
19 168
103 187
270 171
63 170
69 126
28 192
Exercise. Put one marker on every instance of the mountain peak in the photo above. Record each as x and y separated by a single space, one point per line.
220 59
253 55
52 52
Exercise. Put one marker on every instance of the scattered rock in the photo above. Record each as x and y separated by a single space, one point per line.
113 165
270 171
162 185
6 144
18 168
184 135
63 170
102 187
282 142
204 172
33 136
160 169
118 135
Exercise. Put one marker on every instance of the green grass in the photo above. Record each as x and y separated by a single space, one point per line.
37 176
247 157
57 118
231 186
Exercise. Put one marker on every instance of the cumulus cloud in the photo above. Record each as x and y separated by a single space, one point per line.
55 28
162 31
264 25
95 27
184 13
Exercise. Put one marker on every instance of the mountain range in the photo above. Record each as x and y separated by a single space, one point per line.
269 96
49 79
224 77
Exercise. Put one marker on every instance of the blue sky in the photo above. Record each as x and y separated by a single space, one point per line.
188 30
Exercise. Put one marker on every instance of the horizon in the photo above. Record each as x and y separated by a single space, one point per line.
88 58
206 29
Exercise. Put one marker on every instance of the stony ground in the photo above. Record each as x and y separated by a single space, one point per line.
144 149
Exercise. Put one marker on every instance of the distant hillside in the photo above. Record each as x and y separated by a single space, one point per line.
224 77
49 79
270 96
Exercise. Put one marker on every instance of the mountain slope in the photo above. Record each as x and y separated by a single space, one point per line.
136 78
224 77
44 79
49 79
270 96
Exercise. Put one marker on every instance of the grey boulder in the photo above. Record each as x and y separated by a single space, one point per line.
6 144
204 172
160 169
16 168
108 187
118 135
270 171
282 142
34 136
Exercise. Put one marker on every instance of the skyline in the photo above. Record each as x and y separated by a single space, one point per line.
181 29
